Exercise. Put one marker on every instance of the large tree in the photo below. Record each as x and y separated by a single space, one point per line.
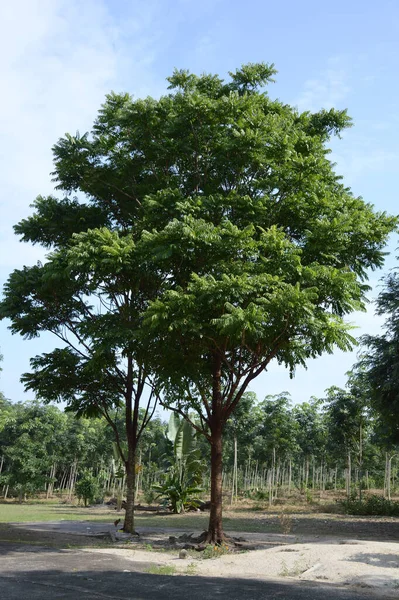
215 215
263 249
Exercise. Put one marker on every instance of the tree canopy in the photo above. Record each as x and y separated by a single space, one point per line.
379 365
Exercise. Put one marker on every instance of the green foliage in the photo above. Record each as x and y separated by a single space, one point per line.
180 488
87 487
34 438
176 493
311 431
215 550
278 431
371 505
243 424
379 364
346 415
256 494
29 445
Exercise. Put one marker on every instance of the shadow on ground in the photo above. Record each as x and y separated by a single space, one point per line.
390 561
13 536
126 584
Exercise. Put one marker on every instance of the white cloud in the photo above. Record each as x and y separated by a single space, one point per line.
58 59
326 91
358 159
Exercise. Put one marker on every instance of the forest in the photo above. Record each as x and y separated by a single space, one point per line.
273 450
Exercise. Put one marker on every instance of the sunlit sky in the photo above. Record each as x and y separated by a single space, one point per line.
58 59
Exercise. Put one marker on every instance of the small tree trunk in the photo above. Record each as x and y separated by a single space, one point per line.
386 475
130 493
313 472
215 531
349 474
389 476
360 461
277 480
271 498
234 479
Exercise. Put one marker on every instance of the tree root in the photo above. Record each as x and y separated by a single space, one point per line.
205 539
131 532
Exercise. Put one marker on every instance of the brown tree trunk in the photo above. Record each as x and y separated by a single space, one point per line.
215 531
131 424
130 493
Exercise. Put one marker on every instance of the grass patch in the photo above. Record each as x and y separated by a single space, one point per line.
191 569
298 568
162 570
42 512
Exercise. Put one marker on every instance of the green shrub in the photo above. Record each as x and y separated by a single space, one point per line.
371 505
256 494
87 488
215 550
149 495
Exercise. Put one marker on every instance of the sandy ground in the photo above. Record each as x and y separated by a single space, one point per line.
338 560
364 564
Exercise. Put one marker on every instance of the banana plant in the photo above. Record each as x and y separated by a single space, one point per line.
181 483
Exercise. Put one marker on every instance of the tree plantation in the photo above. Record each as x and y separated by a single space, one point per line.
319 451
197 238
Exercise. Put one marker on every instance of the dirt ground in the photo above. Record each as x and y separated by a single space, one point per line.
358 552
300 524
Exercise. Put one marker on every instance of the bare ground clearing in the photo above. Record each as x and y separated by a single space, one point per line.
358 552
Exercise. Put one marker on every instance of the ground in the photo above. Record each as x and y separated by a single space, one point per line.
351 557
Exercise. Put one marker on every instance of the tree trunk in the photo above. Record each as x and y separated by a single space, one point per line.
215 531
234 481
131 424
360 461
349 474
130 493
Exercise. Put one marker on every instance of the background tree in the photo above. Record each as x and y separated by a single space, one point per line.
346 419
379 364
277 435
240 436
311 436
30 445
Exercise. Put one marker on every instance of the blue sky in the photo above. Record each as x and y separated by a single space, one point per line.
58 59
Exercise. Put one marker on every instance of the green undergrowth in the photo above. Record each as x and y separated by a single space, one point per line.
162 570
371 505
